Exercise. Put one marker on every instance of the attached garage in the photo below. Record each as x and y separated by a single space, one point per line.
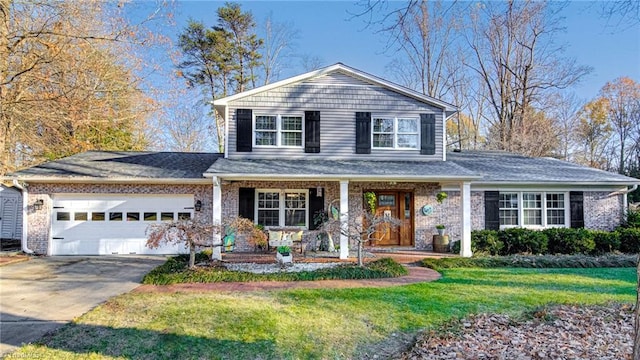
106 224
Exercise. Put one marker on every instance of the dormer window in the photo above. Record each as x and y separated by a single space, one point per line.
395 132
278 130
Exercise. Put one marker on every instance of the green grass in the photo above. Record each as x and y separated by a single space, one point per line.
534 261
175 271
317 324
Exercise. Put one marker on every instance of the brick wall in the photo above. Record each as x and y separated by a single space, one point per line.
40 221
602 212
424 193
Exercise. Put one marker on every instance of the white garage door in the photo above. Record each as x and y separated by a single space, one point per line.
91 224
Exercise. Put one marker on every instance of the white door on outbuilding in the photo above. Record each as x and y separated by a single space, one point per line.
99 224
10 213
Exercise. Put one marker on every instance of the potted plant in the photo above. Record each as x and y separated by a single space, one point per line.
283 255
441 196
441 228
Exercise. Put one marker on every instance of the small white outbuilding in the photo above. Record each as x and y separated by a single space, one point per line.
10 215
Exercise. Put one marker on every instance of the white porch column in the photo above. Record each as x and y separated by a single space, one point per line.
465 208
217 218
344 219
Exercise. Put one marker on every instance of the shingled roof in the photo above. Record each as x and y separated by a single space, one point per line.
488 167
338 169
123 165
503 167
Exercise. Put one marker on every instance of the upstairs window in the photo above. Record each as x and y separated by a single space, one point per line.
278 130
395 133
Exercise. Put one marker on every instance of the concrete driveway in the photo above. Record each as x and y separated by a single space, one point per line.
42 294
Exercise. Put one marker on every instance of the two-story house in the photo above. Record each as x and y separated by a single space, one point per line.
299 146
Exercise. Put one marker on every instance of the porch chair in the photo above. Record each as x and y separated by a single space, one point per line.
296 239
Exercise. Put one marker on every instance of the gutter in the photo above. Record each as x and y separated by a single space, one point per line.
625 199
25 222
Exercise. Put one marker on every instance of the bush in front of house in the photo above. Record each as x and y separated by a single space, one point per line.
629 240
605 241
176 271
523 241
632 220
570 241
485 242
534 261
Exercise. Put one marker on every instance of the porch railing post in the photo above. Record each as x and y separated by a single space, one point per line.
465 208
344 219
217 218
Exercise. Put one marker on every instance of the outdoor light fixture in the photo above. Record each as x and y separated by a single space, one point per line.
38 204
198 205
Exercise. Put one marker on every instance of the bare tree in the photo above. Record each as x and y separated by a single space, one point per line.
363 227
311 62
517 61
192 233
48 108
278 47
423 33
623 109
564 108
594 131
621 13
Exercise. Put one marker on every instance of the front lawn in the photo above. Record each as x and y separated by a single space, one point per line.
320 324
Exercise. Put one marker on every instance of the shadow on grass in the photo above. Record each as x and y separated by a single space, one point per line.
83 340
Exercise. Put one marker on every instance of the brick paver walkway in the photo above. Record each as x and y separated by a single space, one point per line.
416 275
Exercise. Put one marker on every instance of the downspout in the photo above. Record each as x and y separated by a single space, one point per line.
25 221
625 201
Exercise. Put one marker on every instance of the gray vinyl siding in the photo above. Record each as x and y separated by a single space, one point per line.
338 97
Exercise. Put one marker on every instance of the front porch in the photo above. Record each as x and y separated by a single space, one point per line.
296 205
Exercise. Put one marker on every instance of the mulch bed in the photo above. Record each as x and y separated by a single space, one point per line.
557 332
6 260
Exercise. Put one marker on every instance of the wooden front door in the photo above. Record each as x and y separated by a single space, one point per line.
397 204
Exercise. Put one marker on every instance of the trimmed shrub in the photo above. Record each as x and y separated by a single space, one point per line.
569 241
606 242
523 241
632 220
486 242
545 261
629 240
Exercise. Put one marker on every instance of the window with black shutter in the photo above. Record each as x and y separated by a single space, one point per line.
492 210
316 207
363 133
427 134
246 204
576 204
312 131
244 130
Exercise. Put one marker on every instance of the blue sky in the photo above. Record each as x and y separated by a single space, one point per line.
326 29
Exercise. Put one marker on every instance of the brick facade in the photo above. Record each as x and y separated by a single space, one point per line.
600 210
40 221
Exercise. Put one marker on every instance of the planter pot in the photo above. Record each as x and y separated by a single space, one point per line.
441 243
441 231
284 258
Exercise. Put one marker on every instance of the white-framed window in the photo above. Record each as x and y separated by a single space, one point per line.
395 132
508 209
279 208
278 130
556 212
533 209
